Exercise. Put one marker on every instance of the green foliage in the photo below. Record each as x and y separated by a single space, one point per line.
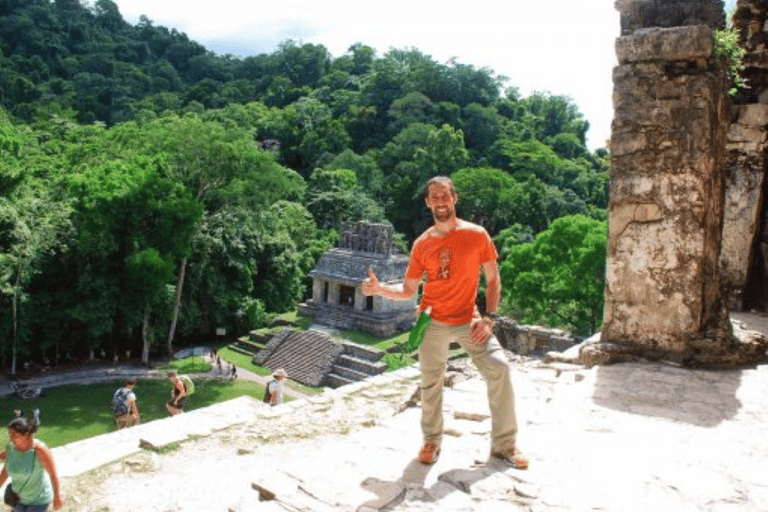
558 280
131 156
728 51
397 360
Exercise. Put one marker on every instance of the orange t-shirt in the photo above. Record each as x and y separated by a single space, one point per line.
452 264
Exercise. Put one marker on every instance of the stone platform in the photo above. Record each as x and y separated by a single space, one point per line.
627 437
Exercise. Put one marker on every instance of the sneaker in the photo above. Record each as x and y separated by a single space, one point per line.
429 453
512 457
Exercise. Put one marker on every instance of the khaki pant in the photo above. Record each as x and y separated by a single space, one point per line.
126 420
493 366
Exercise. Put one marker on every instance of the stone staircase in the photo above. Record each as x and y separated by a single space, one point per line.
313 358
355 363
307 356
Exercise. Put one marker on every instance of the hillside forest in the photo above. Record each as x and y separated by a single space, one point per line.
152 191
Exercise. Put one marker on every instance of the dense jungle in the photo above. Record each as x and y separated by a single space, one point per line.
152 191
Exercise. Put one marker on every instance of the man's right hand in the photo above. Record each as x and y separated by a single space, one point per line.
370 285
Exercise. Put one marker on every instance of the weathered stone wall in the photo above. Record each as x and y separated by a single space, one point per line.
667 186
745 172
743 252
636 14
532 339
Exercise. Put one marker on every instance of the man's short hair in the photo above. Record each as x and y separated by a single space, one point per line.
441 180
173 373
131 381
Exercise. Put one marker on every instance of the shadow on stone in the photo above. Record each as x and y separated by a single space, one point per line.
697 397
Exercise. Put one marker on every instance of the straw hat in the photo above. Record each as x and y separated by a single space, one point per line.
280 373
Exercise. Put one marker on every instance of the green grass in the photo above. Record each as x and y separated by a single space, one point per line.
192 364
364 338
242 361
75 412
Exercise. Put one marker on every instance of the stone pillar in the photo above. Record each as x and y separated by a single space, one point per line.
317 290
745 172
333 293
360 299
667 189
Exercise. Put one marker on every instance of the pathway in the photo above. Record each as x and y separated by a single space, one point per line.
124 371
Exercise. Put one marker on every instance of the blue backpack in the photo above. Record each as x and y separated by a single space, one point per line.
120 401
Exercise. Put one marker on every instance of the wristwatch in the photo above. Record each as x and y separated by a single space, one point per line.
492 317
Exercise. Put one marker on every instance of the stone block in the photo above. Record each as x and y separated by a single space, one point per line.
738 132
755 114
638 14
666 44
626 143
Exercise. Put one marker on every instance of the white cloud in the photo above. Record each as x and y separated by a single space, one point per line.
561 46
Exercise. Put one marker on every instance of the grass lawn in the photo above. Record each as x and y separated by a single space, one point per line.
75 412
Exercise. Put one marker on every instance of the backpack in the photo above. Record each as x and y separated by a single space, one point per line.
120 401
267 394
189 386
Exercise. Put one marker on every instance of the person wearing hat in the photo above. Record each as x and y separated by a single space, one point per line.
276 386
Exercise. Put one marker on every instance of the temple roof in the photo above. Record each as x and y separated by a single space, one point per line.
351 267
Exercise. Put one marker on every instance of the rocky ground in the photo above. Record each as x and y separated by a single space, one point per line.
625 437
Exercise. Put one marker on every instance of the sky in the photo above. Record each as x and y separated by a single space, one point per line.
561 47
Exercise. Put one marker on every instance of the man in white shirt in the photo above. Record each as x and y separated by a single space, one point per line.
276 386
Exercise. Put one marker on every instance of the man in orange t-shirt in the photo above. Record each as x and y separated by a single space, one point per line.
451 254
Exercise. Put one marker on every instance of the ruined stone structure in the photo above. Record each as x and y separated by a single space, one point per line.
528 340
745 239
315 359
663 282
665 224
337 298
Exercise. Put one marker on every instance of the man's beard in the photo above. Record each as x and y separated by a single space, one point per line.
444 215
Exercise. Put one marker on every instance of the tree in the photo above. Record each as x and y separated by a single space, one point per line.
31 227
334 197
134 226
408 161
558 279
489 197
222 168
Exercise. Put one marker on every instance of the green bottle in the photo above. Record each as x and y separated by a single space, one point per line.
417 332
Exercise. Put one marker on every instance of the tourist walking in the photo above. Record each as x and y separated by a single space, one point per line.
179 394
450 254
126 412
30 466
276 387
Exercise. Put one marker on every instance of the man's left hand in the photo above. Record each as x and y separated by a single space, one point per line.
480 331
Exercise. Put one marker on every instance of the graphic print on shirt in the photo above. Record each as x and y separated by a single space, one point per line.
445 264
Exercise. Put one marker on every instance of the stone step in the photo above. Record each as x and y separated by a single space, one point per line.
349 373
248 343
333 380
241 350
361 365
362 352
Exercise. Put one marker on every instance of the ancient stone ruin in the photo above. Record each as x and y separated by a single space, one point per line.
664 285
337 297
745 239
315 359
